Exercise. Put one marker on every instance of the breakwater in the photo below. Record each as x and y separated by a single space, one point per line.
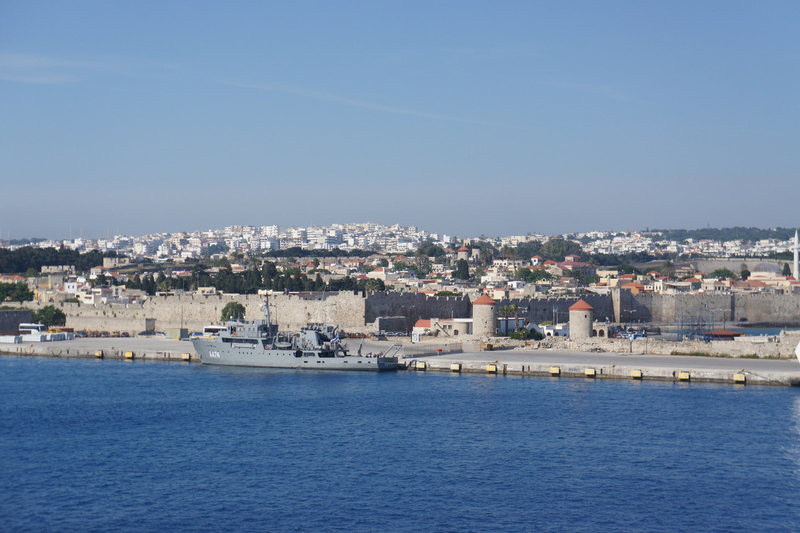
129 349
565 364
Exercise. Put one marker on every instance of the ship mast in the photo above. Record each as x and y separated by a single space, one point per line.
265 308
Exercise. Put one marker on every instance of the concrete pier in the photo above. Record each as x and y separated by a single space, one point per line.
585 365
108 348
541 362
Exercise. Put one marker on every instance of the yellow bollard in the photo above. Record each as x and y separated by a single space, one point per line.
740 378
590 372
455 367
129 355
186 357
99 354
555 371
684 376
421 365
636 374
491 368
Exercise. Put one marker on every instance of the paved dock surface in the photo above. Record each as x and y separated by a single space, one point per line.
608 365
140 347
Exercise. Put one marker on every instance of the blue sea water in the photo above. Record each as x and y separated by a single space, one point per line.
91 445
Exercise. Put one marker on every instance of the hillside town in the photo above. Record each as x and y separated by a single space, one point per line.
372 257
388 239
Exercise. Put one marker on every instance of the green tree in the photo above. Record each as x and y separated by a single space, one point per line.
721 273
786 270
232 311
269 270
28 257
524 334
744 273
149 285
134 282
374 285
430 250
50 316
462 270
525 274
383 262
668 269
423 266
532 276
447 293
15 292
557 249
507 252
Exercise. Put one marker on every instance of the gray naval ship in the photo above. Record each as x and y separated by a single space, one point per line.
259 343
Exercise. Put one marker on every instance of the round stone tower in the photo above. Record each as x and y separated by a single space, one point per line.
581 318
484 317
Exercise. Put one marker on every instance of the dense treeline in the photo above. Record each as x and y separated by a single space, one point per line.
50 315
727 234
29 258
249 281
554 249
625 259
299 252
15 292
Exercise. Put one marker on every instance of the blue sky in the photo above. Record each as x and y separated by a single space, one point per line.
463 117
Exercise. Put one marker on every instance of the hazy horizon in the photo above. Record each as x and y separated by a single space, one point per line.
464 118
5 237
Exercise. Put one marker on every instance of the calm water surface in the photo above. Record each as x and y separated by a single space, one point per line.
91 445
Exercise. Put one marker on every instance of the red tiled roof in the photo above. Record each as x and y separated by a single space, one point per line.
581 305
633 285
422 323
484 300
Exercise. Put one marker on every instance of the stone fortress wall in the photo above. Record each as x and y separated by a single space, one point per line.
557 309
732 307
11 319
357 312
